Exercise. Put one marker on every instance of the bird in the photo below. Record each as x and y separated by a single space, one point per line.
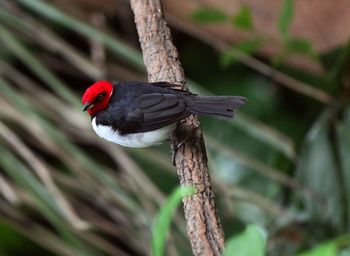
141 114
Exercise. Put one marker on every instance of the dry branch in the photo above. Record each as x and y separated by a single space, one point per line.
162 63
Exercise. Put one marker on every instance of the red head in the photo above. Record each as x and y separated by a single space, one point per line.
96 97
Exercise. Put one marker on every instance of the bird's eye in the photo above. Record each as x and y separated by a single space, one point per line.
100 97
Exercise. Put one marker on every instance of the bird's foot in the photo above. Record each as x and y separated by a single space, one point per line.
176 146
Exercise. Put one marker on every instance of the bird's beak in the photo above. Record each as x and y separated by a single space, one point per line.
88 105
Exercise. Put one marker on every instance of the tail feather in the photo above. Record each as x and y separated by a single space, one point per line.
216 106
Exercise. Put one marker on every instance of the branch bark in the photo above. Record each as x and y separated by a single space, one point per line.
162 62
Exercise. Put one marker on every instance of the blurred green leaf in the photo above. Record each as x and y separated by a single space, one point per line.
343 142
325 249
11 239
277 60
243 19
301 46
317 169
209 15
330 248
344 252
161 224
286 17
251 242
291 47
248 46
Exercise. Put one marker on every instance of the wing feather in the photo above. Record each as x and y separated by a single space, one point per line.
148 108
154 111
149 100
165 101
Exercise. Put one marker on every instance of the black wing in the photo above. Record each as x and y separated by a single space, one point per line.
172 87
142 107
157 110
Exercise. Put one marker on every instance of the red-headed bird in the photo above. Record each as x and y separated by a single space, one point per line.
139 114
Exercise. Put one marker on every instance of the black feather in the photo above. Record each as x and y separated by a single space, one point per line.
141 107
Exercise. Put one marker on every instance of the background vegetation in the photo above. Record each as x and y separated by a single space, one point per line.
282 164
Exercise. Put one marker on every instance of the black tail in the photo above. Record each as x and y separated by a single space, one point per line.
216 106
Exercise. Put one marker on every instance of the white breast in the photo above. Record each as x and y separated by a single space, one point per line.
134 140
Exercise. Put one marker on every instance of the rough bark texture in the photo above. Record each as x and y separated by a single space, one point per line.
162 63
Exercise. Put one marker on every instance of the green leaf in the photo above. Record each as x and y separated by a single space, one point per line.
286 17
162 222
251 242
325 249
329 248
294 46
278 59
209 15
243 19
343 143
248 47
317 169
301 46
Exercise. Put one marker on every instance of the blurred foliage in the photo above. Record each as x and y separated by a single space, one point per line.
209 15
249 46
286 18
330 248
281 164
162 222
250 242
243 20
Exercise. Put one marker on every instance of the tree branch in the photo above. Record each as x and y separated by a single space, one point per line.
162 62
